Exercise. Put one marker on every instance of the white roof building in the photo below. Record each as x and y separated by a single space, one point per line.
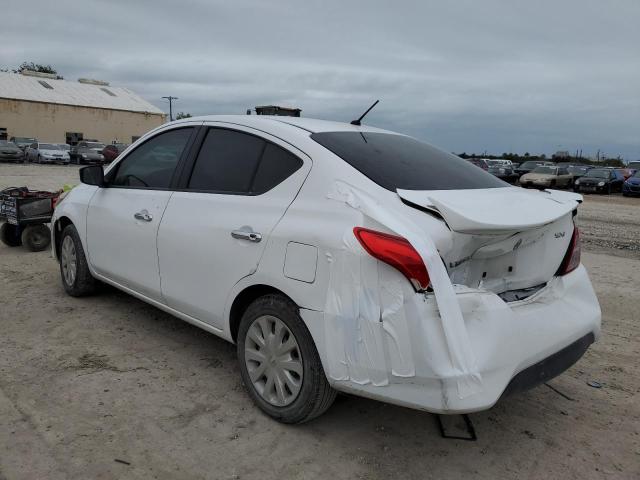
38 105
64 92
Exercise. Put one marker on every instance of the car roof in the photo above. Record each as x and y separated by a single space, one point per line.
311 125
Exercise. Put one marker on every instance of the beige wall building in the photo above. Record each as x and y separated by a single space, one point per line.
60 111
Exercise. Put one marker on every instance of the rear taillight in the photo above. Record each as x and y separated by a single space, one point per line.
571 259
397 252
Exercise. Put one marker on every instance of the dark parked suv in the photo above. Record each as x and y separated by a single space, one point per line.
10 152
23 142
87 152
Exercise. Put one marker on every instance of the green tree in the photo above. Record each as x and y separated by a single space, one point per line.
36 67
182 115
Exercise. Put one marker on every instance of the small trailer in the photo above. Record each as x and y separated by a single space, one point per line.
24 214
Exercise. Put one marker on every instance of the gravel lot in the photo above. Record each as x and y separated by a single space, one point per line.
109 387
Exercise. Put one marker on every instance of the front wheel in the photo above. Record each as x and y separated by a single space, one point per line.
74 270
279 363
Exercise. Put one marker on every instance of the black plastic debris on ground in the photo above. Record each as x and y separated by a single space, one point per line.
562 394
457 427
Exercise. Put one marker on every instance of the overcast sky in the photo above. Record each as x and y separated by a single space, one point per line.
471 75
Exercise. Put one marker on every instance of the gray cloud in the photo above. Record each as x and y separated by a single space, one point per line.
465 75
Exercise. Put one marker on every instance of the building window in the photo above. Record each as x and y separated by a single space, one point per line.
107 91
3 133
73 138
45 84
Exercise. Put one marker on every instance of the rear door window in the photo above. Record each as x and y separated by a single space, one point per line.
227 161
399 162
235 162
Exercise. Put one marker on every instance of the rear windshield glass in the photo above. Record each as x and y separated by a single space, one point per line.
598 173
399 162
530 164
577 169
548 170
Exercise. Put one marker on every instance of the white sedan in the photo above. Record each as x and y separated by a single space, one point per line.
46 153
337 257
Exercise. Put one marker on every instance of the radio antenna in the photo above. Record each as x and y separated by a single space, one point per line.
357 122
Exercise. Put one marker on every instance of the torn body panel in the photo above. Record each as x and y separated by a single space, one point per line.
456 348
412 368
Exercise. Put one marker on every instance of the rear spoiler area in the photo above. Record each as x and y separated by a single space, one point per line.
493 210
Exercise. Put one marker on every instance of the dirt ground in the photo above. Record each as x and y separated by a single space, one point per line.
109 387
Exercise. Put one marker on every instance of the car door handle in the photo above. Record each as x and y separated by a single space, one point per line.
246 235
143 215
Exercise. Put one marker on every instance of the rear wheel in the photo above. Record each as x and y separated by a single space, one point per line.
36 237
279 363
10 235
74 270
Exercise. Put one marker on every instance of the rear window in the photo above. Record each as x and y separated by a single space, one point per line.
399 162
530 164
546 170
595 173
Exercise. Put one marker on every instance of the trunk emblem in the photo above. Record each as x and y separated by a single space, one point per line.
558 234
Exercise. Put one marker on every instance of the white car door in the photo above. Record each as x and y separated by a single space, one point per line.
213 232
123 218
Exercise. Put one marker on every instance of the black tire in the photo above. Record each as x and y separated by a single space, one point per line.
83 283
36 237
10 236
38 160
315 395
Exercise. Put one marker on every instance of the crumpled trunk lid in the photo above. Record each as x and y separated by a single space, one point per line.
503 239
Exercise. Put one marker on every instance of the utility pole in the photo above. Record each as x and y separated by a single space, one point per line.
171 99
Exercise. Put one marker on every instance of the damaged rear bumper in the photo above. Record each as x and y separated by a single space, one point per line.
550 367
516 345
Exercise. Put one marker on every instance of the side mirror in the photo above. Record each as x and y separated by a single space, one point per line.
92 175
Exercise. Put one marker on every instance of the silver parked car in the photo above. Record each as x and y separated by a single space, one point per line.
46 153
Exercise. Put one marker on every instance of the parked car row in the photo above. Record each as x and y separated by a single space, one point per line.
23 149
580 178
